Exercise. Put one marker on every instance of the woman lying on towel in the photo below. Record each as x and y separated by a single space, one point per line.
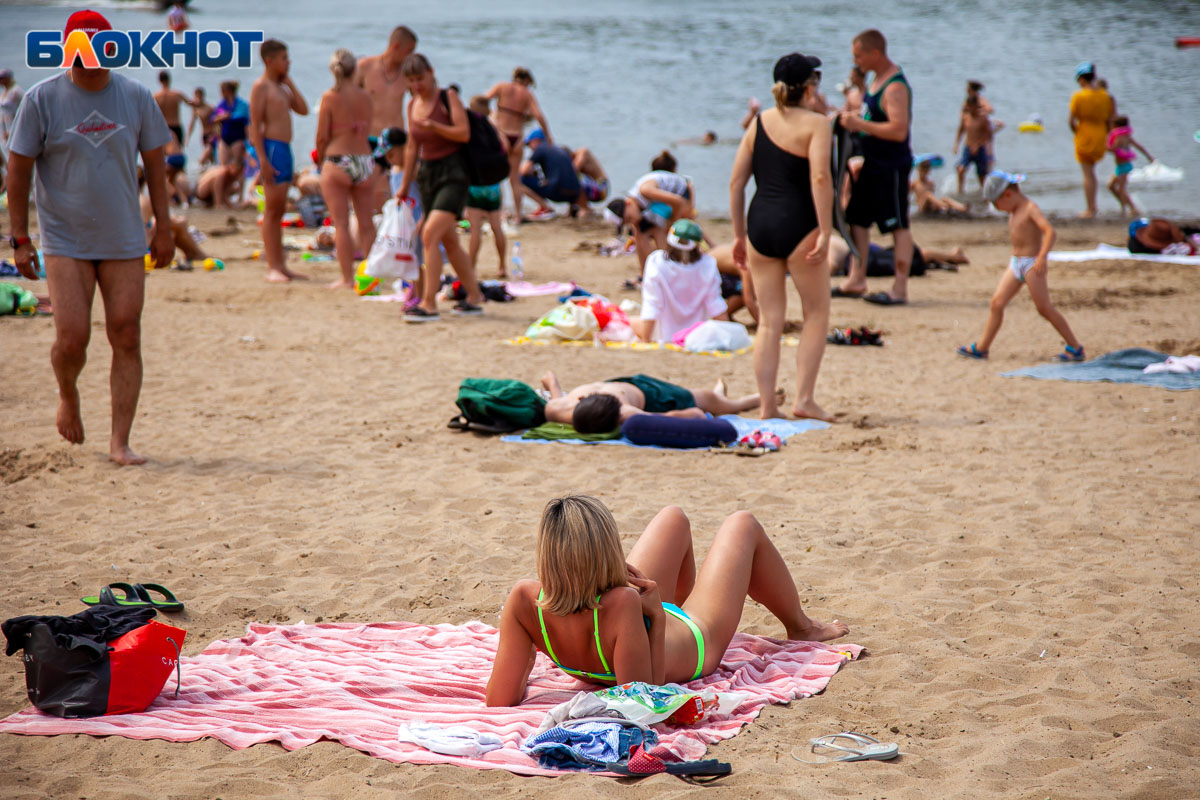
605 619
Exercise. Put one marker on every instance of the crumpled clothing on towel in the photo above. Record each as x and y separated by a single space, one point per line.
457 740
1181 365
589 744
581 706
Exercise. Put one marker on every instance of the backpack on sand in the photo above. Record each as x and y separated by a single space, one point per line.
491 405
487 163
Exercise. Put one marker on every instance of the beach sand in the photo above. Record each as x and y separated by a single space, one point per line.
1018 556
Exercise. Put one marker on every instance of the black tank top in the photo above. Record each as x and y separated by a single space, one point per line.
885 151
782 211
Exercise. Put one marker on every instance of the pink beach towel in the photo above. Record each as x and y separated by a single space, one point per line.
357 684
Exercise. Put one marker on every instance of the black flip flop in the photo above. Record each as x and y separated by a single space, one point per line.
130 598
170 604
837 291
884 299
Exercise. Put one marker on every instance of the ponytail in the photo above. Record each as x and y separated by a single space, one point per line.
789 95
342 64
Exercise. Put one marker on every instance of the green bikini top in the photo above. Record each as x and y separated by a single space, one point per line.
579 673
669 608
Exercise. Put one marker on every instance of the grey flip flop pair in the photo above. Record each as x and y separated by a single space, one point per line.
849 746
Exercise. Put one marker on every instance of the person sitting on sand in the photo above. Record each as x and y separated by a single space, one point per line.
1158 236
602 407
680 288
1032 239
922 188
185 243
657 618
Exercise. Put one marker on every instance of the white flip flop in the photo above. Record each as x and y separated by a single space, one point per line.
863 748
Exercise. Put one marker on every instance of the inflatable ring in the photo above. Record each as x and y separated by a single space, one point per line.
1030 127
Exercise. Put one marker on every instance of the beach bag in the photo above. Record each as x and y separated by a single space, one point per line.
565 322
78 681
487 163
394 253
500 404
15 299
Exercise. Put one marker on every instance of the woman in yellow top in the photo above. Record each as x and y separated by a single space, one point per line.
1091 115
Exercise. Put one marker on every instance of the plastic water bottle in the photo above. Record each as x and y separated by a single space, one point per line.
518 267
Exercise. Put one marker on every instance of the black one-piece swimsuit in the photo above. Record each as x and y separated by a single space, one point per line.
782 212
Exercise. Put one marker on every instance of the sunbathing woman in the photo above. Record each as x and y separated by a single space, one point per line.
603 619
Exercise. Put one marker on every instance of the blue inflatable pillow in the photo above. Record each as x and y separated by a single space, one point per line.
653 429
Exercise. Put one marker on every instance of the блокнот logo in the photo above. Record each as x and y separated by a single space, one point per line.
108 49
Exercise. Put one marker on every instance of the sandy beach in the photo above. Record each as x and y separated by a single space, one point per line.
1017 556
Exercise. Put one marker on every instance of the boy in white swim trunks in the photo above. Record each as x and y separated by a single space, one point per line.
1032 237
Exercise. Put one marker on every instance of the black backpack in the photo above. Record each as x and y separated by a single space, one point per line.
487 163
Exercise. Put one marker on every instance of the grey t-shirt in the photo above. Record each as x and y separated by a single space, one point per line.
86 147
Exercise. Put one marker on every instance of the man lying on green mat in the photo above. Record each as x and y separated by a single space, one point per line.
601 407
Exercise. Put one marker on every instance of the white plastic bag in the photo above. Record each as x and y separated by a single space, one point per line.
394 253
716 334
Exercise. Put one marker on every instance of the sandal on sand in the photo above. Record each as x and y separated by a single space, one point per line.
838 291
862 748
971 352
884 299
641 763
170 603
129 598
1072 354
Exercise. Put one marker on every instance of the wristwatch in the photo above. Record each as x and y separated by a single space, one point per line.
18 241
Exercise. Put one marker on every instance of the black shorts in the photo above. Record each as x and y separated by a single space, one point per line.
880 197
443 183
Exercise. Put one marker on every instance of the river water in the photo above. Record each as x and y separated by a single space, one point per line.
628 77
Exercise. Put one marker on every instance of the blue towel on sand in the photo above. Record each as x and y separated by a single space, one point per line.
783 428
1119 366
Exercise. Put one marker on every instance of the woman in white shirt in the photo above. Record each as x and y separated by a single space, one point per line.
680 287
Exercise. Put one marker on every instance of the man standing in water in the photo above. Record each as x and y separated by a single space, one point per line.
880 194
272 99
84 129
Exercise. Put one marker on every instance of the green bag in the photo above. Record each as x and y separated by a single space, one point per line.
16 300
502 405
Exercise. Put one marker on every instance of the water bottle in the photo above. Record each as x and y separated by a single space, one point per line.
518 268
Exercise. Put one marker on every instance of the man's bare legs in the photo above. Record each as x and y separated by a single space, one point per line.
123 287
743 562
902 237
1089 190
714 400
1006 290
1040 292
812 282
275 201
72 289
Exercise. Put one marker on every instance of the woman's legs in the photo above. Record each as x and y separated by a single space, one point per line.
1089 189
812 282
501 242
437 225
743 562
475 217
335 188
514 177
664 554
771 289
363 195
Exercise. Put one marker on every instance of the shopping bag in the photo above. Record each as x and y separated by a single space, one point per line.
394 253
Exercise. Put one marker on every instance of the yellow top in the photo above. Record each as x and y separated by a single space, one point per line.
1092 109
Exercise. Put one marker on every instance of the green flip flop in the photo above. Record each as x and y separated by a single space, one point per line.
106 597
169 604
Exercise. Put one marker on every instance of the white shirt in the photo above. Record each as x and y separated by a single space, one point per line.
678 296
669 182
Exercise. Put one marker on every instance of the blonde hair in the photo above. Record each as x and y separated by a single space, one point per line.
579 554
341 64
791 95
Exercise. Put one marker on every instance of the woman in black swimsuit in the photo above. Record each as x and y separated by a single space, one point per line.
789 223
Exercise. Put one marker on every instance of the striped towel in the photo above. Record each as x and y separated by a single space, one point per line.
357 684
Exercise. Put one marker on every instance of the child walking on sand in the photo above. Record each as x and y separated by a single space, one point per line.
483 203
1032 237
1121 144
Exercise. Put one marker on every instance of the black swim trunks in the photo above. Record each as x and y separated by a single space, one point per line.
879 197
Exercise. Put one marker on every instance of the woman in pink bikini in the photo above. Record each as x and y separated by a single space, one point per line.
345 163
515 104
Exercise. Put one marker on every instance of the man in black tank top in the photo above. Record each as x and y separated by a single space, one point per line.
879 195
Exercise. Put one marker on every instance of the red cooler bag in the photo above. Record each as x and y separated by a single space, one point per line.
124 680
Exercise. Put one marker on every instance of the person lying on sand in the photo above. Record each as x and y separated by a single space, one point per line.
602 406
651 617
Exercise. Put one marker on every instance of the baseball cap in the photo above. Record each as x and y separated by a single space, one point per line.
997 181
536 133
795 68
88 21
1085 68
684 234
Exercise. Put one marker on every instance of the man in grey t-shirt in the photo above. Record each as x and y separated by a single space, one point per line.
83 130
